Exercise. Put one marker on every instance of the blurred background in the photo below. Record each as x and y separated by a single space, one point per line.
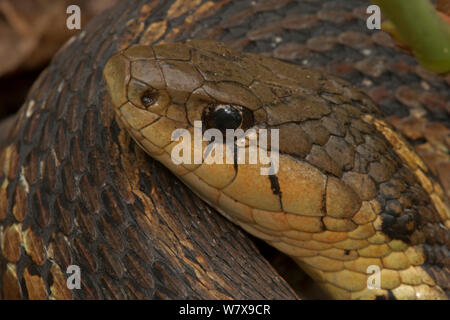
31 31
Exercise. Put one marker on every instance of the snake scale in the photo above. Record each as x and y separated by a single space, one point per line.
75 189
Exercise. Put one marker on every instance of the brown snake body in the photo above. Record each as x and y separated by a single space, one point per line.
70 193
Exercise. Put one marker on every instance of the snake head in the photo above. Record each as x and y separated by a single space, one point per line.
323 197
159 90
164 88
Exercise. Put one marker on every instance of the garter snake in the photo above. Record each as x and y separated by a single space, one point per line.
349 194
76 190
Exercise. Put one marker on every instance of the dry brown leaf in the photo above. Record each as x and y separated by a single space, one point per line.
31 31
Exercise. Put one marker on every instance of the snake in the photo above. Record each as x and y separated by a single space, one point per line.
349 194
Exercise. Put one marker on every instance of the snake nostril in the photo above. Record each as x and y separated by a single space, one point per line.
148 98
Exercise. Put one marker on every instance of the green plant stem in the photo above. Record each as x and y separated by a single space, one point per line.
419 25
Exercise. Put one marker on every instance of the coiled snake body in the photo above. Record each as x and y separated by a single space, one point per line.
349 193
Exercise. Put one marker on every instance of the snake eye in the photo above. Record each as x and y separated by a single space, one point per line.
227 116
148 98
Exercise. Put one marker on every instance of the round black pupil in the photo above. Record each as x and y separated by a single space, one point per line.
227 118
